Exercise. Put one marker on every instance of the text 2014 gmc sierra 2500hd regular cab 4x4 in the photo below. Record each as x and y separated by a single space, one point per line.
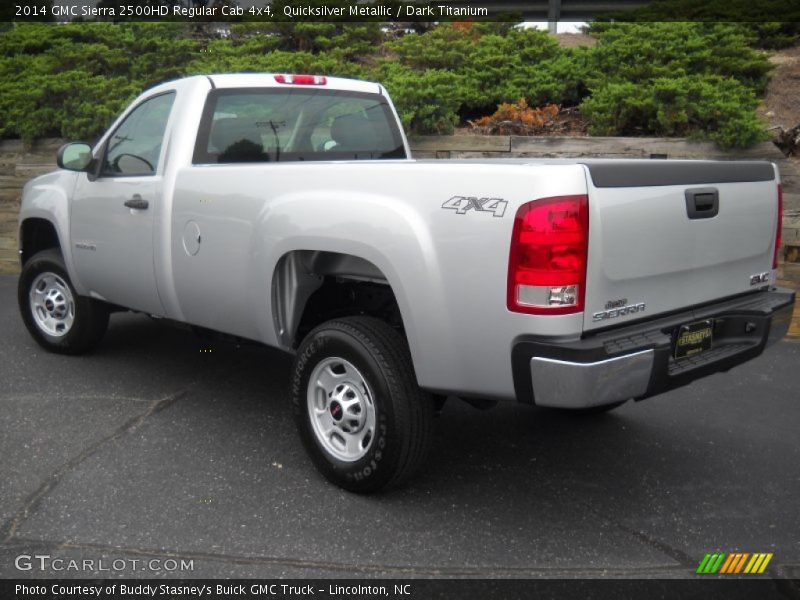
286 209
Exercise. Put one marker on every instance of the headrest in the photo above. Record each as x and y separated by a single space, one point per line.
352 132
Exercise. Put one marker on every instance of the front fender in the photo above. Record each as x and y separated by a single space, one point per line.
48 197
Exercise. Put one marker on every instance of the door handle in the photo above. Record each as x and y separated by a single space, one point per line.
702 203
137 202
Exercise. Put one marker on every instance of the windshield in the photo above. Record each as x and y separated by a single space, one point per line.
294 124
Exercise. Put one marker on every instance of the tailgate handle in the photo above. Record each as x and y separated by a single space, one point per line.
702 203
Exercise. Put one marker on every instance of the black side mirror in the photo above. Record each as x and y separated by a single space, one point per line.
75 156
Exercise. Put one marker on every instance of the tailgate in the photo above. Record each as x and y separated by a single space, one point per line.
667 235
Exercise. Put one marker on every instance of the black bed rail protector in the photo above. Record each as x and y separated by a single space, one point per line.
645 173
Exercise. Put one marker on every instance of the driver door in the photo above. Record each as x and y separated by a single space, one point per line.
112 217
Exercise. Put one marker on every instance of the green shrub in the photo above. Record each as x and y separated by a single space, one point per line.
445 47
525 63
638 52
427 101
495 65
353 40
754 18
687 79
73 80
718 108
676 79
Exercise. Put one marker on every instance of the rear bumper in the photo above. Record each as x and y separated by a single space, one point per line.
636 361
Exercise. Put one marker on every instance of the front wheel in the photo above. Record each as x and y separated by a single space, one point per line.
55 315
361 415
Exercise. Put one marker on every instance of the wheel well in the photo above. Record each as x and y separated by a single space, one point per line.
311 287
37 235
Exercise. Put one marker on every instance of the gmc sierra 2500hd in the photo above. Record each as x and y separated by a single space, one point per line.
287 209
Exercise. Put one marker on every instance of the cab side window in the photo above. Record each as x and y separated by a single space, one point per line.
135 146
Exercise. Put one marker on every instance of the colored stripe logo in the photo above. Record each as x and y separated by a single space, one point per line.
734 563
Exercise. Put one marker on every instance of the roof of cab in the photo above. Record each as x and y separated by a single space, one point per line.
260 80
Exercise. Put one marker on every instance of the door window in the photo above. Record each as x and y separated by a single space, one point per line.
135 146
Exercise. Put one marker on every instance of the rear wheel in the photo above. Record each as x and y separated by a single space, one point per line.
55 315
359 411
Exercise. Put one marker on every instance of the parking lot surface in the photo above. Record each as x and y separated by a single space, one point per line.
163 446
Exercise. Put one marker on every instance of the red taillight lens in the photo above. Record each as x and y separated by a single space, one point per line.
778 228
302 79
547 262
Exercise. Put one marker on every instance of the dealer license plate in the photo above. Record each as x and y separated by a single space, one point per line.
694 338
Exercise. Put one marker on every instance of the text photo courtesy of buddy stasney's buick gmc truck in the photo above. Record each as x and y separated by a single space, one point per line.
287 210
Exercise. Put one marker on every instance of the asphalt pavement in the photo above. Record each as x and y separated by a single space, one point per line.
161 446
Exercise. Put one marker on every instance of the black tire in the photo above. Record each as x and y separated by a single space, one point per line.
403 413
90 316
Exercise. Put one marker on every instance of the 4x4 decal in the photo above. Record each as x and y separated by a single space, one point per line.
461 204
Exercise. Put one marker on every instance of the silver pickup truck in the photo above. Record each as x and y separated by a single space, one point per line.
286 209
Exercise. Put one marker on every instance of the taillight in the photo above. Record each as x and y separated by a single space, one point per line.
778 229
302 79
547 263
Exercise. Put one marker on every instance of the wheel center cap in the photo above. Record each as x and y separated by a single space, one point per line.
336 411
48 304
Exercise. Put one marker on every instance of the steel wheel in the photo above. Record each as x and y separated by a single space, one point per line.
58 318
342 409
360 413
52 304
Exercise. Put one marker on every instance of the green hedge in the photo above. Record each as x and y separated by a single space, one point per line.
756 17
72 80
676 79
684 79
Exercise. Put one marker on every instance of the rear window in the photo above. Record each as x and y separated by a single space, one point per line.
295 124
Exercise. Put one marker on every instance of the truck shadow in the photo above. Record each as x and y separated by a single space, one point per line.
529 453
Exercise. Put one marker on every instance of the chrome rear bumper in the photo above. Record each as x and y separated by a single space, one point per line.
636 361
567 384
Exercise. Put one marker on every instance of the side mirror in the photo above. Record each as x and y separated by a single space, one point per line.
75 156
